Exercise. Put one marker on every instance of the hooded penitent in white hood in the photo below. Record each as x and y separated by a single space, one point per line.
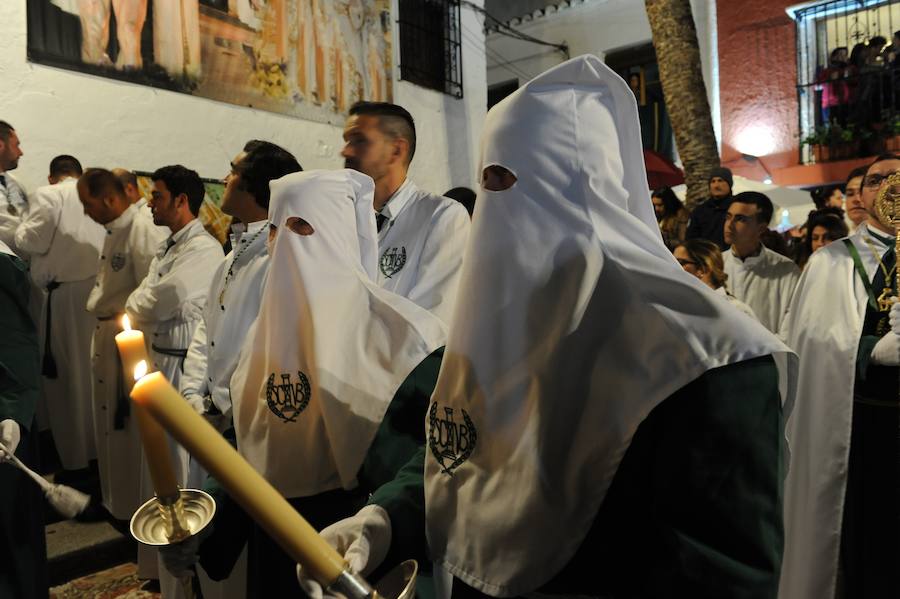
329 348
573 322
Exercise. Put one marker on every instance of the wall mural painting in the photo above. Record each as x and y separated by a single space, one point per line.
305 58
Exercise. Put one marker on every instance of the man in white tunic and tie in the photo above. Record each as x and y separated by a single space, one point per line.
421 236
759 277
130 245
63 244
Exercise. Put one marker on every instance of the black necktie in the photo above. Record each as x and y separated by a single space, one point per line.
3 180
379 220
169 243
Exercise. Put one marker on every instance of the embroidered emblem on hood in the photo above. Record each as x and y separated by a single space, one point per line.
451 443
286 399
392 261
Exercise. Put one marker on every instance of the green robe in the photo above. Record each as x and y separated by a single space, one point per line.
870 535
270 572
23 551
694 510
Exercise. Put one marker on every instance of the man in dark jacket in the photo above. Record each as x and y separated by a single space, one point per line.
708 219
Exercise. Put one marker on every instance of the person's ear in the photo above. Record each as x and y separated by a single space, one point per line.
182 200
400 149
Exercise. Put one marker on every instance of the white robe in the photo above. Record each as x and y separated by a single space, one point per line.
213 355
167 307
168 304
420 248
823 325
764 282
128 249
230 310
64 244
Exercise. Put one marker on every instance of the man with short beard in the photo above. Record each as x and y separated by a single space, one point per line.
13 200
421 236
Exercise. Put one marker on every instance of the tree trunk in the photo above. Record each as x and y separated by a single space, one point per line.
678 56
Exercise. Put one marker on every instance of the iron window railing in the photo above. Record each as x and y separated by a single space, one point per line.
430 44
848 78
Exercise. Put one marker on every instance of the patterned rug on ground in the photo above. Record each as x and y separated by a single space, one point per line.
120 582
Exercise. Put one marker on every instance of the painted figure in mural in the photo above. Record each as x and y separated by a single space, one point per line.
176 37
337 52
94 15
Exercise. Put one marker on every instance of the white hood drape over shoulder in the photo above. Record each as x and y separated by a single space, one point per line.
573 322
329 348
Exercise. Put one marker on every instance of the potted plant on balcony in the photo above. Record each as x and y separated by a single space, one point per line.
817 141
846 141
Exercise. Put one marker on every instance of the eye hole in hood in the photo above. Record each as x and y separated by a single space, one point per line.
497 178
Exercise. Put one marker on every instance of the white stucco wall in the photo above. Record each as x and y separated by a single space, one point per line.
596 27
110 123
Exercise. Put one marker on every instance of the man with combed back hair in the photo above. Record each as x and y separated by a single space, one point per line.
63 244
421 236
232 303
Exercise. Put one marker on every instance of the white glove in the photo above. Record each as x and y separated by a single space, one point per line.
887 351
363 540
197 402
895 317
179 558
10 434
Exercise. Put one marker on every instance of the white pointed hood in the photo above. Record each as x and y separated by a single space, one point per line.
329 348
573 322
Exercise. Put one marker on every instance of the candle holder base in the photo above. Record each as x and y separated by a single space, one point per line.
400 582
152 523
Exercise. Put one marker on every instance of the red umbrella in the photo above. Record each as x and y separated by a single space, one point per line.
661 172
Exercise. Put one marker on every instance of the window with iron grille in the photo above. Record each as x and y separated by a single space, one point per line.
430 46
848 78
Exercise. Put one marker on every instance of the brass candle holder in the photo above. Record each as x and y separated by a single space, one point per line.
168 520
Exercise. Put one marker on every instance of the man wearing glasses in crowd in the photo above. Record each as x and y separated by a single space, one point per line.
840 492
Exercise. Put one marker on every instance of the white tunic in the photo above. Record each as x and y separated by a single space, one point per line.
764 282
168 304
231 307
64 245
823 325
13 207
421 246
128 249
